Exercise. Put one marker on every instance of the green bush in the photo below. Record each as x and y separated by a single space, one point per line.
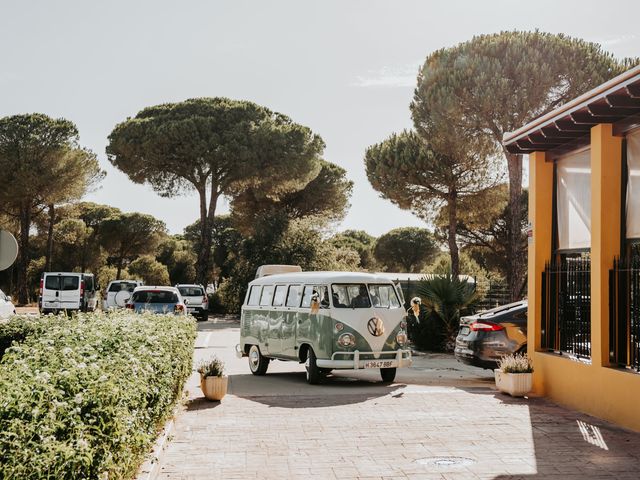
17 329
85 397
215 304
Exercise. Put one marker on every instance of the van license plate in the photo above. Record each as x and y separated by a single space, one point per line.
51 304
378 364
190 310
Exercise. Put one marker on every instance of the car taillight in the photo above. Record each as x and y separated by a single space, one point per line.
485 327
129 306
41 285
82 288
205 300
179 308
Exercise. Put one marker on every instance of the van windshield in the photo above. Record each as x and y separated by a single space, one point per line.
383 296
350 296
62 282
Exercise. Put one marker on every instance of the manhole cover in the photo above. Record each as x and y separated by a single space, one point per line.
443 462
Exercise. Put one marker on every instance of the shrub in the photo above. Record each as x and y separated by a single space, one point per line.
85 397
214 367
448 297
515 363
215 304
17 329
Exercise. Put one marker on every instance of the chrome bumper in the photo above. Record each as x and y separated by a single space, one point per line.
393 359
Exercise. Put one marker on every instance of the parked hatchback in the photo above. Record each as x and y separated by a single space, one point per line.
7 308
196 300
161 300
487 336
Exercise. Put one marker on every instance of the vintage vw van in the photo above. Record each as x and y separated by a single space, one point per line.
326 320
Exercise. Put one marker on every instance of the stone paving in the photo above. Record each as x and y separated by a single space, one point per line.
277 427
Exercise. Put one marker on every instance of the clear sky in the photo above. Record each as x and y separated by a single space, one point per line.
344 68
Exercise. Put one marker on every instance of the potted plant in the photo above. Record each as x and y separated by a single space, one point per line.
213 381
514 375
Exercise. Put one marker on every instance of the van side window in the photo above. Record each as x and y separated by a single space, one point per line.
278 298
267 294
293 299
322 293
306 296
254 295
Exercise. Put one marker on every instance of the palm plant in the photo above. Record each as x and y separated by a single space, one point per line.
446 296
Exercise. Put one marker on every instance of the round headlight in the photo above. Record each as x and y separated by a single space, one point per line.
346 340
403 325
339 327
401 337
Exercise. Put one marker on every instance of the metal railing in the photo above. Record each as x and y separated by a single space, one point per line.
566 306
624 313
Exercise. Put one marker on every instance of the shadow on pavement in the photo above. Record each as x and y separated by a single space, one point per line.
566 442
200 403
290 390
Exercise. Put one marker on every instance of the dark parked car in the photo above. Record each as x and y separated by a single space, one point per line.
486 336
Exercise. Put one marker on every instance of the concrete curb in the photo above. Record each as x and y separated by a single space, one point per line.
151 467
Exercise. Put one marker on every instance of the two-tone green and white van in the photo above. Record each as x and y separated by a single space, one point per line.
326 320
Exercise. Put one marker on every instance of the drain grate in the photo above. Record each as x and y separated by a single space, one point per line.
446 462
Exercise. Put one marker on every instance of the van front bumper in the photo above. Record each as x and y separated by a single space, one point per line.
387 359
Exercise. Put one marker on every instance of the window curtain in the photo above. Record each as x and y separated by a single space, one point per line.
633 185
574 201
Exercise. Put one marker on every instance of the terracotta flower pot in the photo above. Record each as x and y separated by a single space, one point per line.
515 384
214 388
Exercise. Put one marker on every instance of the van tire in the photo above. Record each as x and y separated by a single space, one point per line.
388 374
314 374
258 363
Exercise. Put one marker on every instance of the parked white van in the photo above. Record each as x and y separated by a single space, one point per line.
326 320
68 291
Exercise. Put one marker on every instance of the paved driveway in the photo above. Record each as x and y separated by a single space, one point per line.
439 420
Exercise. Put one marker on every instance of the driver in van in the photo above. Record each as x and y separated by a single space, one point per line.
362 300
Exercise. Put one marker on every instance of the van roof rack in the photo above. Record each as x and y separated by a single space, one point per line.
266 270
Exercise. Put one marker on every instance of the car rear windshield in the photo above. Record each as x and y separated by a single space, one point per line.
154 296
191 291
62 282
120 286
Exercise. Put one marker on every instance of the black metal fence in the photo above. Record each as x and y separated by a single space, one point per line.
624 313
566 306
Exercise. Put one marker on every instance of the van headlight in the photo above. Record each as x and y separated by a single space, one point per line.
401 337
346 340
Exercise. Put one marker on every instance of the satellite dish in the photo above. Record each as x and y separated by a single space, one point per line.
122 297
8 249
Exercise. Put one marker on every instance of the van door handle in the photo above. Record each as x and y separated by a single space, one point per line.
57 293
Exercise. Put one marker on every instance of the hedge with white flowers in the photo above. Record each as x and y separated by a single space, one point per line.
84 397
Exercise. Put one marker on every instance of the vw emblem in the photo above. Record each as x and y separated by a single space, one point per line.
375 327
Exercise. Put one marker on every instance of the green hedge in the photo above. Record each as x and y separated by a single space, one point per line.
85 396
17 329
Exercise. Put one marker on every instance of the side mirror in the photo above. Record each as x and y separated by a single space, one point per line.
9 299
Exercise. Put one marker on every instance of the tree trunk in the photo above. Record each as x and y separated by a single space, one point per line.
514 258
119 265
23 258
452 232
206 217
52 216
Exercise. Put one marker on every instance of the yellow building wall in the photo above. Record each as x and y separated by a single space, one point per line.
596 389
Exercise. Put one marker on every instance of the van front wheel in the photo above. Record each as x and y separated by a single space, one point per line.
258 363
314 374
388 374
